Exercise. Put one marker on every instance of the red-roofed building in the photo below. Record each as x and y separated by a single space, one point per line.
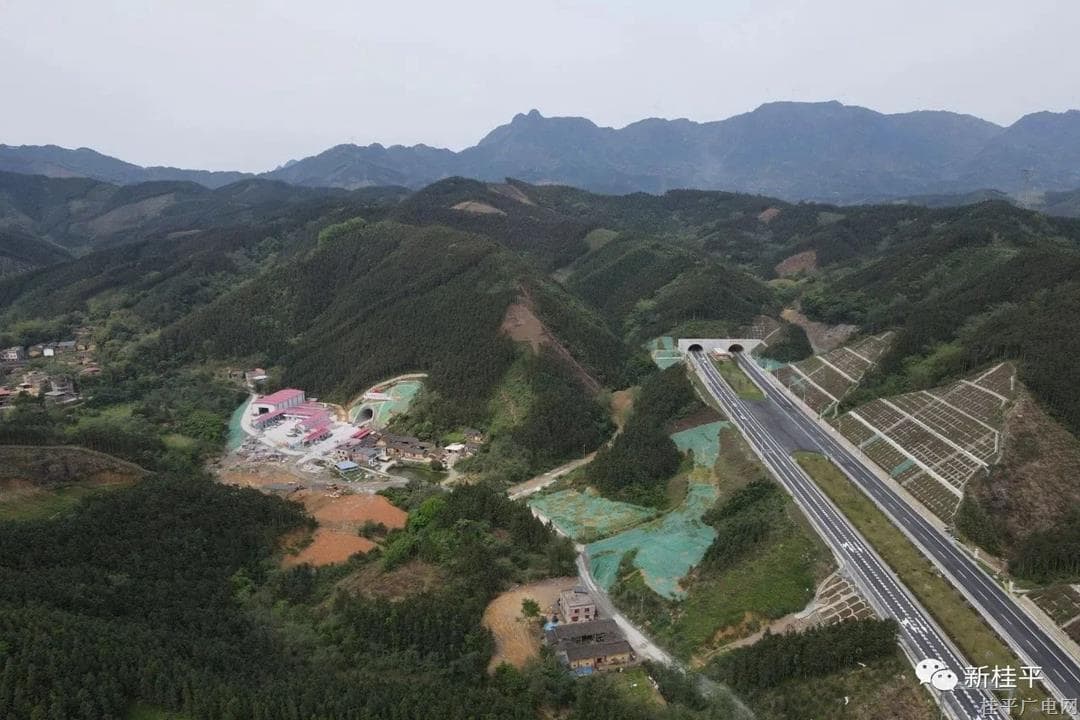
281 400
317 434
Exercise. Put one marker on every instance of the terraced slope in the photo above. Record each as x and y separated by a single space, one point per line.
934 441
823 380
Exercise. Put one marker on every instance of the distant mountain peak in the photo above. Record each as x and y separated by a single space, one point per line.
795 150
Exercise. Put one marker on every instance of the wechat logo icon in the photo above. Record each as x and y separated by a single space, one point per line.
937 674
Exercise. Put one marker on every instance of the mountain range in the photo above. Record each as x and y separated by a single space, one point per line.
796 151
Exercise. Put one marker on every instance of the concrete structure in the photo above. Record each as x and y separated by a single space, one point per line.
13 354
576 605
685 345
281 400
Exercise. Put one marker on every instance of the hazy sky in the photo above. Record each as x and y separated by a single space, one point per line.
226 84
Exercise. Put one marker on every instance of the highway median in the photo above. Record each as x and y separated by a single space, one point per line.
948 607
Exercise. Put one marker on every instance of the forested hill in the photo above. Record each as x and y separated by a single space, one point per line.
423 282
80 214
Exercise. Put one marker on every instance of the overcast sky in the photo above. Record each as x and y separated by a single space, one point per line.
224 84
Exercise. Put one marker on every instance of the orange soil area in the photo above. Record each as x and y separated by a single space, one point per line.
799 262
349 512
517 640
340 518
329 547
257 476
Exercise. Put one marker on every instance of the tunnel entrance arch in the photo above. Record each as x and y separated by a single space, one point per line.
728 345
366 414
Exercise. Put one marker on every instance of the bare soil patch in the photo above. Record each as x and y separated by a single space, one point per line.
329 547
477 208
823 338
799 262
622 402
520 324
371 581
259 476
702 416
508 190
1035 484
517 640
340 518
768 215
349 512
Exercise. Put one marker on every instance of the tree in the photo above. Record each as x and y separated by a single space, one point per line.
530 609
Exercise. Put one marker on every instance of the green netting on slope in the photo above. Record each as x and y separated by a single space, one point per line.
662 351
667 548
769 364
401 396
902 467
237 435
703 440
582 515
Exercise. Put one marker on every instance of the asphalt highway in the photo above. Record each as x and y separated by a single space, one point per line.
919 634
1024 635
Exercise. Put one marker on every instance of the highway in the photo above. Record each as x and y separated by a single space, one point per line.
1023 634
919 634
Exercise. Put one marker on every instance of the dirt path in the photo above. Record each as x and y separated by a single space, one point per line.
538 483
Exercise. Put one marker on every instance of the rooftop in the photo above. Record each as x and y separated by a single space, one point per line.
595 650
576 598
576 631
280 396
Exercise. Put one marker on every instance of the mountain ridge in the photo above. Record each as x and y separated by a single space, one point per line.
820 151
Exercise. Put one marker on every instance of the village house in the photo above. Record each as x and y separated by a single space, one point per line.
575 606
33 382
62 392
54 349
13 354
255 376
369 456
473 436
7 397
588 646
408 448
